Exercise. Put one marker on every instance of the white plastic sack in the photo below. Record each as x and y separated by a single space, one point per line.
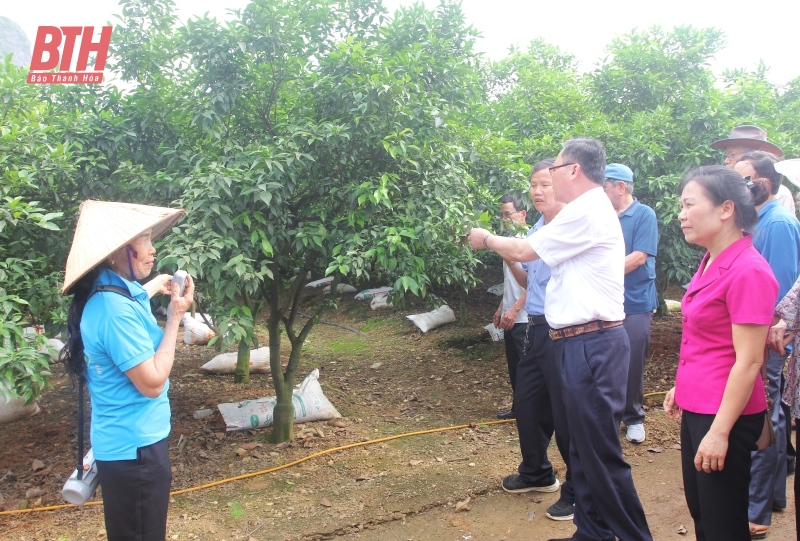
57 345
673 306
322 282
196 333
310 404
36 329
341 288
494 332
496 289
225 363
380 302
430 320
369 294
13 408
197 317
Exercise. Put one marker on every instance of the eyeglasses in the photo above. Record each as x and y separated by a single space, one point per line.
551 169
508 213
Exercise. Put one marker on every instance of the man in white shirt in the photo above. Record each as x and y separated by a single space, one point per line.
585 249
511 316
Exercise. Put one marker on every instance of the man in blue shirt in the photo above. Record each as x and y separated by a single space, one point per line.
640 229
538 395
777 238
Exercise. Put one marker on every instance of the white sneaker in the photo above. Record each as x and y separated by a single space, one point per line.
635 433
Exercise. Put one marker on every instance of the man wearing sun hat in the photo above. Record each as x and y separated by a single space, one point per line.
116 346
640 231
744 139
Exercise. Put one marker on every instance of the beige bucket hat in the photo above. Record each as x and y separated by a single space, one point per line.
105 227
790 169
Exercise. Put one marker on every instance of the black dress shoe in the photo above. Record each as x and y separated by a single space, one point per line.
507 415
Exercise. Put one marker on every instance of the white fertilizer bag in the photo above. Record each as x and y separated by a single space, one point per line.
341 288
369 294
308 401
673 306
494 332
322 282
196 333
13 408
225 363
380 302
57 345
430 320
496 289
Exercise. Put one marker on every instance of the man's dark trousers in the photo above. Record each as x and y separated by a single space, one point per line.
515 347
540 410
594 373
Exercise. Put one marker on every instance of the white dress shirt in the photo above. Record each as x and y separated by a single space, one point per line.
584 247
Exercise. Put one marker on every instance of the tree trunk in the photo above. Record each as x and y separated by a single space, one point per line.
283 417
242 372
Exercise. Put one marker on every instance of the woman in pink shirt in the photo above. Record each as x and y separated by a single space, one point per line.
727 312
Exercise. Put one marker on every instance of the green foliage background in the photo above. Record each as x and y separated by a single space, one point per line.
330 137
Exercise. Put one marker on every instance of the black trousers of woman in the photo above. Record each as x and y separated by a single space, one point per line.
718 500
136 494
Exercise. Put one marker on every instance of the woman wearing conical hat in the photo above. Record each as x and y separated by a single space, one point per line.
125 358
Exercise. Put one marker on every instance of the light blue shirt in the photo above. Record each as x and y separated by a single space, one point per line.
776 236
119 334
538 276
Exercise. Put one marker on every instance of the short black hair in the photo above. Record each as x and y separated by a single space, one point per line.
723 184
518 204
590 154
764 164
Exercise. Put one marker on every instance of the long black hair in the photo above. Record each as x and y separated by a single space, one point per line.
72 352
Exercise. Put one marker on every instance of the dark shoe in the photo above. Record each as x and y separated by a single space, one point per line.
514 483
506 415
790 466
561 510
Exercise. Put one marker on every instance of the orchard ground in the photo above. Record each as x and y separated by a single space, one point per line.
444 485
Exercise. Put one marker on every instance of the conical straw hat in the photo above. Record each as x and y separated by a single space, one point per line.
105 227
790 169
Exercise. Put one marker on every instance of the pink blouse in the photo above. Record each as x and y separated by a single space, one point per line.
738 288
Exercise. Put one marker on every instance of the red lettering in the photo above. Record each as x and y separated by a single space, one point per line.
87 46
42 46
69 33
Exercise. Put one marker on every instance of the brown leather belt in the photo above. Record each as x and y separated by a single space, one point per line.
577 330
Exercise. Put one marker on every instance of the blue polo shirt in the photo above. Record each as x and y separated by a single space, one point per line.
538 276
119 334
776 236
640 229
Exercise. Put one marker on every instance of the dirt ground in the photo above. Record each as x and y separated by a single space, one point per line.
395 381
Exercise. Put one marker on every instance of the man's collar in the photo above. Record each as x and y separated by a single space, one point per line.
768 205
629 211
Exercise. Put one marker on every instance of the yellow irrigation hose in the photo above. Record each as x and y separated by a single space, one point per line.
281 467
284 466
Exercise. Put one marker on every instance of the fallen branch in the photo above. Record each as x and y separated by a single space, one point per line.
332 324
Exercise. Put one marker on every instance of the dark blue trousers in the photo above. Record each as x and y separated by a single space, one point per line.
540 410
136 494
594 373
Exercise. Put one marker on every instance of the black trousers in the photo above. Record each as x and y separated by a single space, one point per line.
515 342
136 494
718 500
540 410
